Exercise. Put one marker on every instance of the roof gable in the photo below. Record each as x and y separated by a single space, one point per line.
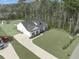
33 25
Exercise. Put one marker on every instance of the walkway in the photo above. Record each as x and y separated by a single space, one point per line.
27 43
9 52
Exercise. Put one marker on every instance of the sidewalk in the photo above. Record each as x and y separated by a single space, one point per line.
9 52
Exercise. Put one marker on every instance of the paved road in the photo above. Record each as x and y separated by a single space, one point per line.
27 43
9 52
75 54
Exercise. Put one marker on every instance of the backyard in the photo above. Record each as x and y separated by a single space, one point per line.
2 32
54 40
10 29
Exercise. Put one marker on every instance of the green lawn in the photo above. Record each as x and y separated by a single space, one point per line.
54 40
2 32
1 57
72 46
9 29
15 21
22 52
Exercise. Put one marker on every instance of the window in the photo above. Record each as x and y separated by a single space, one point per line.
38 31
33 34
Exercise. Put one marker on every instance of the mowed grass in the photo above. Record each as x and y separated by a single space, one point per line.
2 32
9 29
53 42
1 57
22 52
72 47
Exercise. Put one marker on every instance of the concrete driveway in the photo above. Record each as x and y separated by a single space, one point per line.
9 52
27 43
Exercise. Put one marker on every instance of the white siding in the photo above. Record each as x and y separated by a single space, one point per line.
22 29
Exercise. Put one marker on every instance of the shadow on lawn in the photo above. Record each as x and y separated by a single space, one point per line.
11 38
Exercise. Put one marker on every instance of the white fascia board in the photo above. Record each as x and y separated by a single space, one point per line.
22 29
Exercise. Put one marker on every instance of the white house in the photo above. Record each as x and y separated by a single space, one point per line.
32 28
21 28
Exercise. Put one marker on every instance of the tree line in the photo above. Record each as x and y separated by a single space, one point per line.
62 14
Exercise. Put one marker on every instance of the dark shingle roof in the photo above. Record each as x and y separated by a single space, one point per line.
33 25
28 25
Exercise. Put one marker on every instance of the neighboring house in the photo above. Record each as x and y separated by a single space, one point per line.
75 54
32 28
